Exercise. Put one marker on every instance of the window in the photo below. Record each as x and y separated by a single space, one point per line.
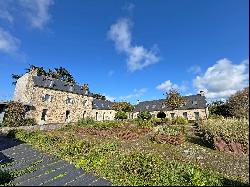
67 114
47 97
44 114
185 115
96 115
84 102
83 115
196 115
51 84
103 117
194 102
70 88
69 100
172 115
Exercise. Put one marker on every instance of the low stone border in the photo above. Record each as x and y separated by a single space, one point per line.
5 130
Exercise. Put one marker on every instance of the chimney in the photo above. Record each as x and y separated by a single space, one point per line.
202 93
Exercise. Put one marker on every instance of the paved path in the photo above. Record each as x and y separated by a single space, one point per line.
47 170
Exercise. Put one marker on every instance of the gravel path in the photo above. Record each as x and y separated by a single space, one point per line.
44 169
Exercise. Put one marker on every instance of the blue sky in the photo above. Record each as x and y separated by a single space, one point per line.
130 50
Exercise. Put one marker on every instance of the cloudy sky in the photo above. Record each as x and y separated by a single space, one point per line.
130 50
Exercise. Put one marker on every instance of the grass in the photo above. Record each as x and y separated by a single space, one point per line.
102 149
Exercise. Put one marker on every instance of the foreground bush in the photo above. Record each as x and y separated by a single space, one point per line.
226 131
179 121
102 124
119 166
15 116
144 115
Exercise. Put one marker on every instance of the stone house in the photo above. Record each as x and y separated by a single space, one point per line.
194 107
55 101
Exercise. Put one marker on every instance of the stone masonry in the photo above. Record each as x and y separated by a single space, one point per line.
55 101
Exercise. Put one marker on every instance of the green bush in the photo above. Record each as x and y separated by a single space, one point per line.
121 115
230 130
28 122
179 120
14 115
100 124
144 115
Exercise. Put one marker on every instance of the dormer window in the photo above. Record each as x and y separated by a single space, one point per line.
51 84
70 88
194 102
153 106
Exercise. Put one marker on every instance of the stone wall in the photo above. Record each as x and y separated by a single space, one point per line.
57 107
103 115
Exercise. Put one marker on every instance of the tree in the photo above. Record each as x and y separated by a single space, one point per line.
99 96
238 104
144 115
123 106
57 73
121 115
219 108
174 99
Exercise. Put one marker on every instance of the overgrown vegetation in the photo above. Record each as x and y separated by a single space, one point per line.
228 129
15 116
144 115
121 115
126 155
237 105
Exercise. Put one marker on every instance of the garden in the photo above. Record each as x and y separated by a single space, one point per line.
138 152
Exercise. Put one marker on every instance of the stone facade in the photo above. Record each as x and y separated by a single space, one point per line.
68 103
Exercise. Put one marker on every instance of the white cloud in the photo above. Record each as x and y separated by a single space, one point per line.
136 93
110 98
8 43
138 56
194 69
4 11
37 12
223 79
167 85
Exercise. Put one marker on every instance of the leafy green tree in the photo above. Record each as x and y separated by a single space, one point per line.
123 106
238 104
144 115
174 99
219 108
57 73
121 115
99 96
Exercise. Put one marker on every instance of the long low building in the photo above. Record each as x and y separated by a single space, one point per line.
56 101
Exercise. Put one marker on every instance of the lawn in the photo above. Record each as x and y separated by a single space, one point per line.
128 153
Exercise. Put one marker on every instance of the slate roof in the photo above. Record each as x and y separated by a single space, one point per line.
102 104
191 102
47 82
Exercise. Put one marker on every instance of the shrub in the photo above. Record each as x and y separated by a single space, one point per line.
121 115
28 122
179 120
228 129
14 115
144 115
